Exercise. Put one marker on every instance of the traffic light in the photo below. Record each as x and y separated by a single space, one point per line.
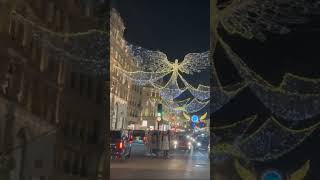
160 113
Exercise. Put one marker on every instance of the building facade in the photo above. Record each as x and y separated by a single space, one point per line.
125 103
149 107
52 124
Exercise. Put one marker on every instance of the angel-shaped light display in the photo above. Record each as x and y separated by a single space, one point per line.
155 66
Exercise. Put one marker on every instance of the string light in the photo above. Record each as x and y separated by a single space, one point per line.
290 105
75 48
252 19
271 141
193 106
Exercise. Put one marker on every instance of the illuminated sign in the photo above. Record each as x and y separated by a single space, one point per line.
195 118
271 175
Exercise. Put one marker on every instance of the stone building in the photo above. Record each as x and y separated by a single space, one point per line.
51 115
125 103
149 107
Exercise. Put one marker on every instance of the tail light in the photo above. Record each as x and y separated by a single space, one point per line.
121 145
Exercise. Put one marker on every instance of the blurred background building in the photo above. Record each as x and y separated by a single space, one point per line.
51 115
125 101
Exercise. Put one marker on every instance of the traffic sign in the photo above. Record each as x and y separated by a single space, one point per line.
195 118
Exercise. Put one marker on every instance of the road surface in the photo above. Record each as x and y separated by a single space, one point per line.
181 165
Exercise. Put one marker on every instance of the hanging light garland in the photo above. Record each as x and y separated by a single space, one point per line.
271 141
75 48
286 104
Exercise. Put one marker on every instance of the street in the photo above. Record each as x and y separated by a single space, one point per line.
180 165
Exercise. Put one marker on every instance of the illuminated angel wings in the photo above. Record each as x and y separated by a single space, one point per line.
157 61
252 18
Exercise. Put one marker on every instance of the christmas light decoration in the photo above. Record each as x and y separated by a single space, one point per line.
252 19
220 96
204 116
141 77
201 93
272 140
283 103
156 61
74 48
171 90
194 106
170 104
232 133
249 174
301 85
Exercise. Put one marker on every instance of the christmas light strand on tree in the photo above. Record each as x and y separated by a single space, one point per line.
287 104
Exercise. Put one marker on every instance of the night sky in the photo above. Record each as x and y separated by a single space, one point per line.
179 27
174 27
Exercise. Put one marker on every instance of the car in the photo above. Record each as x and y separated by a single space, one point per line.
120 147
137 136
201 143
182 143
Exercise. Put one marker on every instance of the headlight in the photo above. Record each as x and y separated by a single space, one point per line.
175 142
198 144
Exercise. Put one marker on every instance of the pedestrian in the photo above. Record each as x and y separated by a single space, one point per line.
165 144
154 143
146 143
149 137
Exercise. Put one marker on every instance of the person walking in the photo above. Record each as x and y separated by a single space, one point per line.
147 143
165 144
154 143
